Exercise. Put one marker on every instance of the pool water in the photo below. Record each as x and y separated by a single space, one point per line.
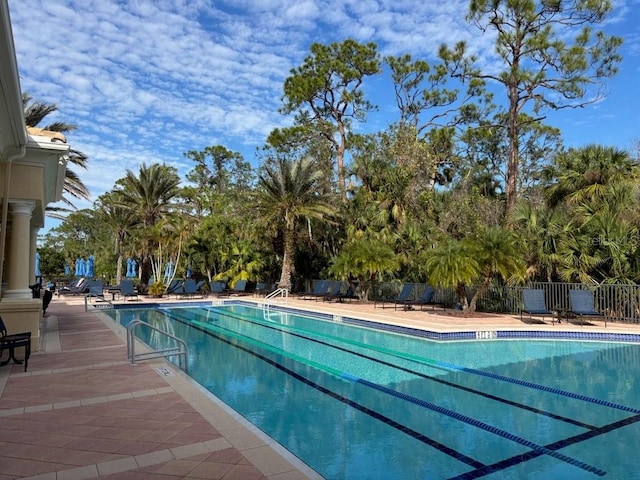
359 403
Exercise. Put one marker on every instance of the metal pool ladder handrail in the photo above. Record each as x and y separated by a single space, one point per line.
279 292
180 350
271 298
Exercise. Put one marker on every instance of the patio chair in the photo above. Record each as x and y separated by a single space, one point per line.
350 294
319 288
77 287
582 305
240 288
96 289
127 290
332 293
190 288
11 342
403 296
425 299
534 304
173 287
218 289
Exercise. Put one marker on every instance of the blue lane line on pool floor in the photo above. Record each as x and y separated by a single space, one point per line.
484 426
372 413
515 460
424 404
452 367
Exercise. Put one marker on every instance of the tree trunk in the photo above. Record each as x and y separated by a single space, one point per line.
481 289
512 161
288 267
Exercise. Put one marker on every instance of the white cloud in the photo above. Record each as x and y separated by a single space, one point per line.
151 79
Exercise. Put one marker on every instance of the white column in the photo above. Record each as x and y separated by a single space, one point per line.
18 263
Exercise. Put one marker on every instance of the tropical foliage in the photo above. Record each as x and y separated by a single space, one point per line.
466 188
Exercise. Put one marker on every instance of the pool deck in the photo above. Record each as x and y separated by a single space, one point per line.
82 410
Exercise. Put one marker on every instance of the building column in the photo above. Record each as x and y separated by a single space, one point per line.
32 255
18 263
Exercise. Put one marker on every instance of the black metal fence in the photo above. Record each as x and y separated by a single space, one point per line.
619 302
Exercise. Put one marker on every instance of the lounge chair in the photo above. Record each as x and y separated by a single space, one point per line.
582 305
96 289
11 342
190 288
320 288
335 288
350 294
127 290
402 298
218 289
77 287
173 287
240 288
534 304
425 299
261 289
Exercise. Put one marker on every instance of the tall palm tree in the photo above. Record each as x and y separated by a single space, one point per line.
119 221
287 192
34 113
150 196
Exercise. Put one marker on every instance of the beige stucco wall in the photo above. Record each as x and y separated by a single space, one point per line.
21 315
26 183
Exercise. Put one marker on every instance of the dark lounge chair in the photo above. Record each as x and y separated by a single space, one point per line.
582 305
350 294
96 289
174 287
425 299
401 298
319 288
240 288
77 287
127 290
332 293
11 342
190 288
534 303
218 289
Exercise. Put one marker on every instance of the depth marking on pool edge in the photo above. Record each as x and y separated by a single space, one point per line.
537 449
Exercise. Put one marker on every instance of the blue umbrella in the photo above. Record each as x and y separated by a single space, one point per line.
67 269
37 266
90 272
82 267
134 264
168 271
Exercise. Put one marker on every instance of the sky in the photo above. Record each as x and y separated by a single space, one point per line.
147 80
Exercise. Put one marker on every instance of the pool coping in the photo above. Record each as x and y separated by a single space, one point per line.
486 333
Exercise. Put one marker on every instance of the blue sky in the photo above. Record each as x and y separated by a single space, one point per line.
146 81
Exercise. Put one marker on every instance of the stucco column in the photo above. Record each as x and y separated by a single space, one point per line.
18 263
32 255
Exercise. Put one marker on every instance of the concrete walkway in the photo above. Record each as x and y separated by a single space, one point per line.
83 411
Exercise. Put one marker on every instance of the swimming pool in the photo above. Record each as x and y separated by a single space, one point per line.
359 403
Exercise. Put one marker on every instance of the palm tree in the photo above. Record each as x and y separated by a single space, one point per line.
119 221
586 174
149 196
364 259
459 263
34 113
287 192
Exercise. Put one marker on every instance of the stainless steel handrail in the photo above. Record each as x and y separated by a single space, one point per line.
180 350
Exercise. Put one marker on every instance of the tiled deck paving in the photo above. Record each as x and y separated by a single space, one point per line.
83 411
